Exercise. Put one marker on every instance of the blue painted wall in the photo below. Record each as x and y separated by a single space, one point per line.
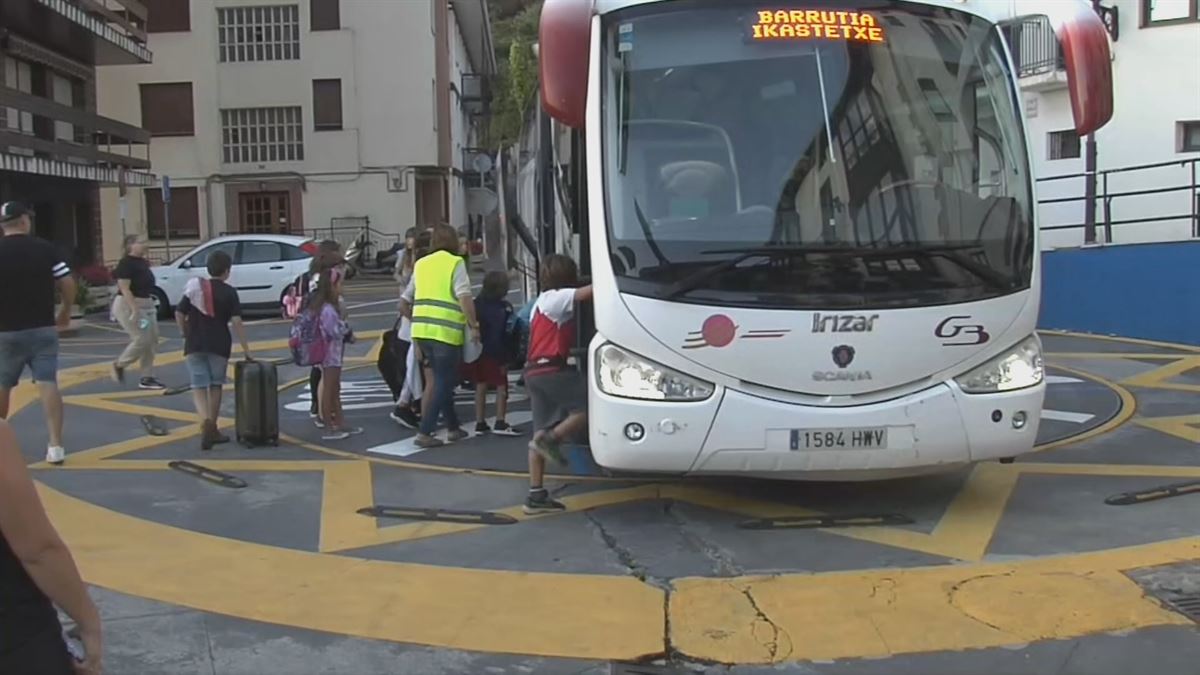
1149 291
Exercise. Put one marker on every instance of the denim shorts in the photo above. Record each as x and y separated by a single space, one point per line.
207 370
36 348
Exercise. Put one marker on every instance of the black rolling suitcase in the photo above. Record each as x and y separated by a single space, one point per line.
256 396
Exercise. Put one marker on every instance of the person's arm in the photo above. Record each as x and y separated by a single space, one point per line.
67 288
40 550
462 289
583 294
406 298
181 311
239 327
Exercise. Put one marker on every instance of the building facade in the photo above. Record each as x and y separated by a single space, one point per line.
1147 157
302 116
56 149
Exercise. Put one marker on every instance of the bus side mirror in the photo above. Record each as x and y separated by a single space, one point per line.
1084 42
564 45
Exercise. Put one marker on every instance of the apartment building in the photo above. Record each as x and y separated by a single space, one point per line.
1147 159
56 149
297 116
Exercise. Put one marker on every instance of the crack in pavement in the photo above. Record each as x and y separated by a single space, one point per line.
626 558
723 562
778 634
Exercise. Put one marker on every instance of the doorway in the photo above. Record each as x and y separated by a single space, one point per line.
264 212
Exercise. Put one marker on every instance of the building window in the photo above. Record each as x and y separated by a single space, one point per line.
1063 144
1188 136
18 75
185 213
1161 12
325 15
167 109
259 135
327 105
168 16
258 33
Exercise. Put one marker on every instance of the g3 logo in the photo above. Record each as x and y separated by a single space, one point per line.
962 334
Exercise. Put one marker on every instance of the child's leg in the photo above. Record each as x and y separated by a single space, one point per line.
200 400
537 471
331 381
480 402
570 427
314 386
502 402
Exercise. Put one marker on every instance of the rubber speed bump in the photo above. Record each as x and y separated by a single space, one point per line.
153 425
438 515
211 475
175 391
1154 494
825 522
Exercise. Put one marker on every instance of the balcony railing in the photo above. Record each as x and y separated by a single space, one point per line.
94 32
39 135
1035 47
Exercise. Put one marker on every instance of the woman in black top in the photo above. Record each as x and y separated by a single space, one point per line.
134 310
36 573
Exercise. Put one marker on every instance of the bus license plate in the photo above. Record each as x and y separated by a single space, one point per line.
838 439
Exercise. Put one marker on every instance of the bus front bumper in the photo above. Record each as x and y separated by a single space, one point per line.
736 433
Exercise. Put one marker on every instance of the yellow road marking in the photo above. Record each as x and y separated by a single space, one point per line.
1125 340
1186 427
1158 378
584 616
1115 355
1127 410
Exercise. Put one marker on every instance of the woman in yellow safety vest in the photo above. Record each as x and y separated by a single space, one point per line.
438 300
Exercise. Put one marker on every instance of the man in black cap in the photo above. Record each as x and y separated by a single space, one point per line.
30 270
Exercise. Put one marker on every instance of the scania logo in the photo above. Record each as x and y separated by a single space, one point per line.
843 355
843 323
841 375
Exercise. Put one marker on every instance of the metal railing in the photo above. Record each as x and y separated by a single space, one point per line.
1131 195
1034 46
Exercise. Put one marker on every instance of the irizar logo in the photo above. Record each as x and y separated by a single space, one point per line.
843 323
841 375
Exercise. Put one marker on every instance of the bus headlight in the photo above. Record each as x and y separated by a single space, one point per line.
621 373
1017 368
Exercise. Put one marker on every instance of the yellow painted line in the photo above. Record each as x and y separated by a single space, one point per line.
1127 411
1158 378
889 612
1122 470
1132 341
1186 427
1115 355
583 616
347 487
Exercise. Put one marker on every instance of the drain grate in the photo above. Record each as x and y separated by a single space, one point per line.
1187 605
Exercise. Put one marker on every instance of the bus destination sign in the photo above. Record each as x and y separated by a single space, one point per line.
799 24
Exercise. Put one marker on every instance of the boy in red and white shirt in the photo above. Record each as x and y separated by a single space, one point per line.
557 392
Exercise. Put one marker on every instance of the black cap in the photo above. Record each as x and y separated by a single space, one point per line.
12 210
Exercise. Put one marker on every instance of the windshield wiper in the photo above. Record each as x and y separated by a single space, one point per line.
694 281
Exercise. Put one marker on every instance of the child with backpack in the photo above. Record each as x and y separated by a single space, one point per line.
490 370
295 301
319 338
557 392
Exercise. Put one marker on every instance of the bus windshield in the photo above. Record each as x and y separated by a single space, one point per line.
815 157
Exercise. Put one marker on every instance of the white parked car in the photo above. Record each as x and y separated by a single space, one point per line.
264 265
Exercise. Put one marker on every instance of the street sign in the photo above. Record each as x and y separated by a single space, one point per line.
166 189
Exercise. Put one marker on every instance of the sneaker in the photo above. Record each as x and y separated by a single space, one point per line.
539 501
482 427
314 414
455 435
55 455
117 373
353 431
424 441
545 445
335 435
151 383
502 428
405 417
318 423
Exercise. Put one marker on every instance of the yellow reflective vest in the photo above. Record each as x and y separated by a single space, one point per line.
436 312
